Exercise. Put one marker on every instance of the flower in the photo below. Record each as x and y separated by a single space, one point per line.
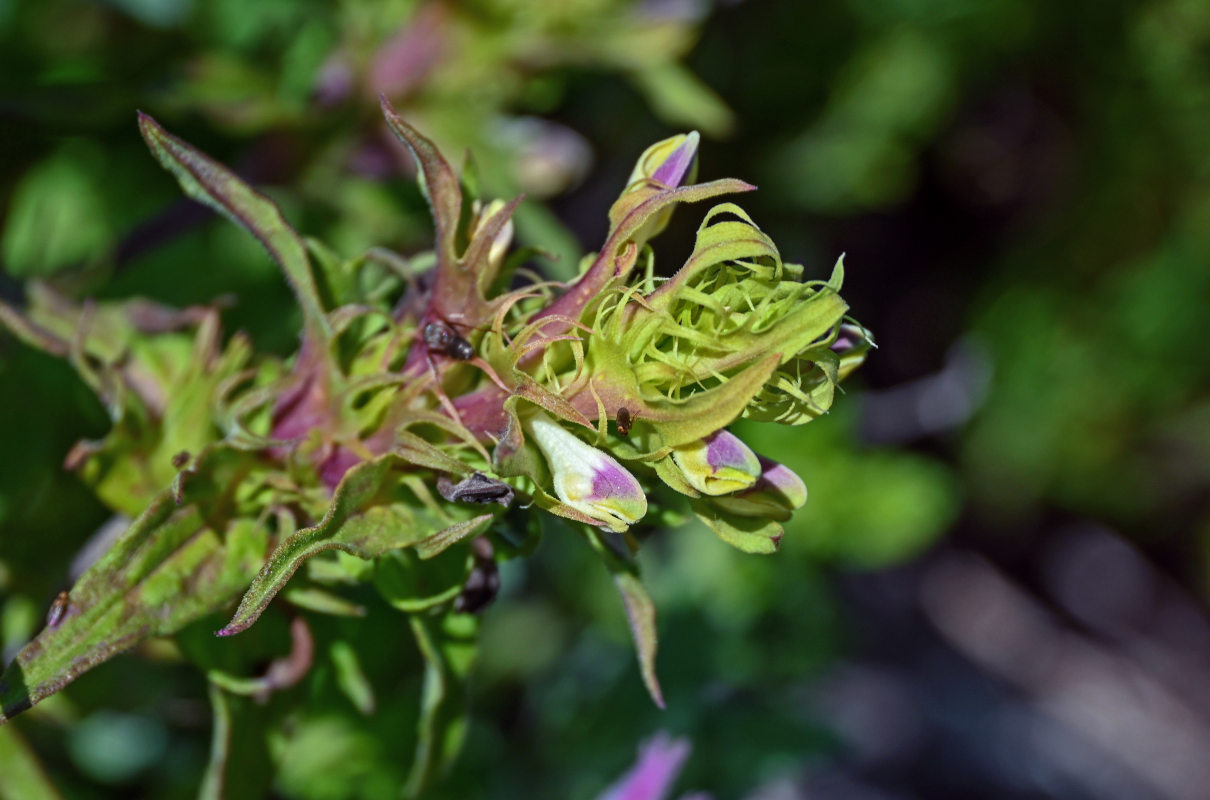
587 479
775 495
669 162
718 464
660 761
666 165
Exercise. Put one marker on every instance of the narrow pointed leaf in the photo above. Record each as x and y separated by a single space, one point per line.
372 513
351 678
640 612
175 564
630 228
440 184
239 765
706 412
448 645
212 184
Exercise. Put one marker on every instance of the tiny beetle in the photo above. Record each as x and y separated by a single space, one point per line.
624 421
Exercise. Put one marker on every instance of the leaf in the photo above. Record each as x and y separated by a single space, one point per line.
58 216
239 765
678 97
476 257
350 677
640 612
439 542
213 185
321 601
30 332
438 181
749 534
448 645
372 513
175 564
21 776
410 586
705 412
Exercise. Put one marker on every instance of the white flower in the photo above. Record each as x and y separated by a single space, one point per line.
587 479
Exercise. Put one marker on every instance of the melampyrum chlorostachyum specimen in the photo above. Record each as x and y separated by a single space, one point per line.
412 421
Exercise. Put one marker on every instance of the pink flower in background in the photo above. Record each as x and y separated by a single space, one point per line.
660 760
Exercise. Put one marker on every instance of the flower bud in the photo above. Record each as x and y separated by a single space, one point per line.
668 162
718 464
502 241
852 343
587 479
775 494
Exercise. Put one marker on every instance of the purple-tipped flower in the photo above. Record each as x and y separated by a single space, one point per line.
848 337
669 162
660 760
664 166
587 479
718 464
778 492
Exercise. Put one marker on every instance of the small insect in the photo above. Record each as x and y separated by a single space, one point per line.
624 421
181 459
478 488
54 615
440 337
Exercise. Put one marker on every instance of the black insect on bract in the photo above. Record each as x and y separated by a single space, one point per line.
478 488
624 421
441 338
54 615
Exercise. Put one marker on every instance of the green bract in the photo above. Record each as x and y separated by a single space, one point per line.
431 398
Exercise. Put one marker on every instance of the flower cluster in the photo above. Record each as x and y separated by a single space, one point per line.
430 398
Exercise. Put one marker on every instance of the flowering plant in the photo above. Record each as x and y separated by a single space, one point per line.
435 404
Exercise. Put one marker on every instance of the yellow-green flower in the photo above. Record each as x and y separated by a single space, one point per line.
718 464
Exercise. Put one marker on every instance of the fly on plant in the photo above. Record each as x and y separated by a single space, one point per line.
442 338
54 614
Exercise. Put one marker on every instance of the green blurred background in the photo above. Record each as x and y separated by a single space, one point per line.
997 587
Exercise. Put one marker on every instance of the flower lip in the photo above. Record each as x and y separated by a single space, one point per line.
585 478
